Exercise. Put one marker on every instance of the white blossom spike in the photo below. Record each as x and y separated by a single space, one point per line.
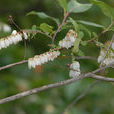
113 45
69 39
74 69
109 57
25 35
43 58
14 38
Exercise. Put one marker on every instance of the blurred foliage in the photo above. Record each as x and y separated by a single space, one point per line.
19 78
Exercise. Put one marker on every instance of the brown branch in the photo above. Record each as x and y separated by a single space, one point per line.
84 93
59 27
46 87
13 64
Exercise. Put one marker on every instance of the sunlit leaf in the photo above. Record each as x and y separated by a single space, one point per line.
76 7
76 45
46 28
83 43
80 34
63 4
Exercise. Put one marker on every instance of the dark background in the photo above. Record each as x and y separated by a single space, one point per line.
19 78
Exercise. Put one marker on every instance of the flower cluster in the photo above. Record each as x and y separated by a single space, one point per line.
74 69
109 57
4 27
14 38
113 45
43 58
69 39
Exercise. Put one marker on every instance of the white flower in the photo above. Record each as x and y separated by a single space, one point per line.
108 59
25 36
69 40
75 65
43 58
74 69
4 27
14 38
113 45
74 74
14 32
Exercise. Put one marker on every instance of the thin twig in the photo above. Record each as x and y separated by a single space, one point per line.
84 93
46 87
24 61
37 31
59 27
104 31
13 64
106 52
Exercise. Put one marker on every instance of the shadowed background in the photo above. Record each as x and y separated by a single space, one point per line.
19 78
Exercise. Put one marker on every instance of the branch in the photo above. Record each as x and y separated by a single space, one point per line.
84 93
46 87
13 64
59 27
106 52
37 31
101 78
24 61
104 31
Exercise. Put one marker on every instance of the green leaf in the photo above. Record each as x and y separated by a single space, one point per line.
76 7
106 9
43 16
63 4
111 29
83 43
34 27
76 45
75 25
91 24
80 53
46 28
94 34
81 27
80 34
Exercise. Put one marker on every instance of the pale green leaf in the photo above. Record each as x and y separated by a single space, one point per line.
63 4
83 43
76 7
106 9
76 46
91 24
46 28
